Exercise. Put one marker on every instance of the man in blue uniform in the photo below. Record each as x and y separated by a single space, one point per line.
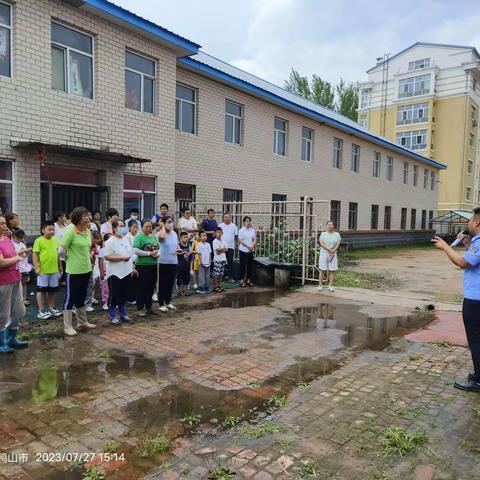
470 264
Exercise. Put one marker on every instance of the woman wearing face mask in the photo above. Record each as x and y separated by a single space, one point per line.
118 254
167 265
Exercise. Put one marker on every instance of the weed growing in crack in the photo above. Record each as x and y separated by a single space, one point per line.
230 422
415 357
221 473
111 446
442 344
151 446
276 401
253 385
104 354
303 385
93 474
248 430
399 441
191 419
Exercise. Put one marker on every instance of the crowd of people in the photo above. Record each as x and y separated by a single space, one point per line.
115 263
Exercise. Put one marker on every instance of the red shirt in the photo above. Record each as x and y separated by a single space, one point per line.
10 274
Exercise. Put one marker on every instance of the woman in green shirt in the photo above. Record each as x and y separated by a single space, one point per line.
77 241
145 246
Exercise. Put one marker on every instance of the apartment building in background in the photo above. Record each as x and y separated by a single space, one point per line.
426 98
101 107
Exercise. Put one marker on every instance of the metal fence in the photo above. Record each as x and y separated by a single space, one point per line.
287 231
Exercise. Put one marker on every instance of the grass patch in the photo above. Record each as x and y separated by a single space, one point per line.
378 252
399 441
276 401
248 430
191 419
230 422
442 344
309 470
111 446
104 354
151 446
221 473
93 474
253 385
368 280
415 357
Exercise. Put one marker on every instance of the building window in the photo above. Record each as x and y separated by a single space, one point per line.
413 139
415 175
184 196
419 64
390 168
280 137
377 158
355 160
307 137
405 173
374 218
425 178
233 204
430 218
139 193
337 152
387 219
432 180
413 86
72 61
335 212
470 167
471 139
413 219
5 40
363 120
403 219
424 220
233 123
352 215
6 187
364 98
185 109
279 209
468 194
139 83
408 114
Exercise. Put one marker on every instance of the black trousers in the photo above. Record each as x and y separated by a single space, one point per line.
246 265
77 286
229 267
117 290
183 273
166 280
132 288
471 320
147 278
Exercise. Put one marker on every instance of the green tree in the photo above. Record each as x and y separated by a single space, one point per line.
347 99
298 85
323 92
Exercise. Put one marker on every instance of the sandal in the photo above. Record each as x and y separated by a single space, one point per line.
186 294
243 284
250 284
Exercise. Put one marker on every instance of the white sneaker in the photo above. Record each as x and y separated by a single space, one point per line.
171 307
195 286
155 297
105 306
163 308
44 315
320 288
89 308
331 289
55 312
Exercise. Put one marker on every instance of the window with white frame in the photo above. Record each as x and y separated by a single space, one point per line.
468 194
280 137
415 175
425 178
416 113
376 164
413 139
355 159
363 120
337 153
405 173
365 98
471 139
185 109
390 168
233 123
419 64
307 137
413 86
470 167
6 187
5 40
432 180
139 83
72 61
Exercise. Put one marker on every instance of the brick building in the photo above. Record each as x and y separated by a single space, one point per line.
102 108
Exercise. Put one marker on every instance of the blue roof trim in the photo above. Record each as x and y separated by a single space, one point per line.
305 111
426 44
139 22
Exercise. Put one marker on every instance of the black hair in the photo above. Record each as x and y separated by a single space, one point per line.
146 220
97 235
97 211
183 233
106 237
77 214
163 205
165 218
47 223
111 212
134 210
202 231
58 215
218 229
115 224
19 233
211 210
332 222
131 224
245 218
476 211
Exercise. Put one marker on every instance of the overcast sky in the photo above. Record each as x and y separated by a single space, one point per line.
335 38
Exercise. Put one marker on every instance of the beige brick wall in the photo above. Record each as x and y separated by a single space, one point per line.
208 162
31 110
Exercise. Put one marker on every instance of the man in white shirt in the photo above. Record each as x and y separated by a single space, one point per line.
230 231
112 216
187 223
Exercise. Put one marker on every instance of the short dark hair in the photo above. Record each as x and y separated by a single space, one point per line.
183 234
146 220
19 233
111 212
97 234
476 211
134 210
58 215
77 214
106 237
164 205
166 218
47 223
211 210
245 218
201 232
218 229
330 221
115 224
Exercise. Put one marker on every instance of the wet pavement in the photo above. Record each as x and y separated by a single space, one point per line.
215 362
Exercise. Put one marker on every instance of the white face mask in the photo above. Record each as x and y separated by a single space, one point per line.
169 226
133 217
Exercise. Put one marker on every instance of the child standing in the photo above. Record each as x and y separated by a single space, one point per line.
184 253
48 268
204 251
196 261
219 260
18 239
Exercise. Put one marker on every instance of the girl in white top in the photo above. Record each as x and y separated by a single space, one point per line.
187 223
329 243
247 240
118 254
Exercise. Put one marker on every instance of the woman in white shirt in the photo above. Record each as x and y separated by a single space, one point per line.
130 237
118 255
247 240
328 262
